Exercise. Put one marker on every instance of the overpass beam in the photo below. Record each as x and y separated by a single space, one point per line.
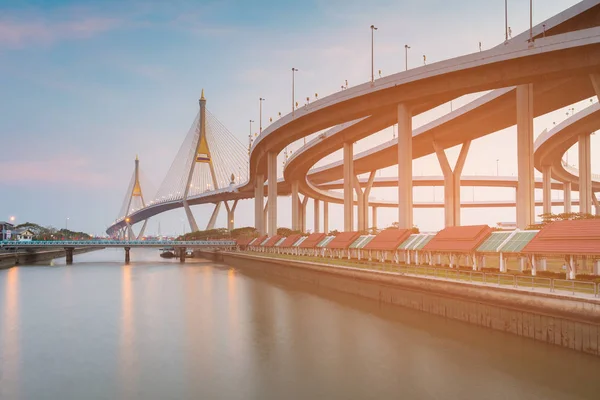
230 214
317 217
567 196
295 206
452 182
585 174
547 189
348 184
213 218
259 203
525 192
325 217
272 214
405 200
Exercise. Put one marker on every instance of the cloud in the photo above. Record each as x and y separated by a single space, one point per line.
21 32
64 170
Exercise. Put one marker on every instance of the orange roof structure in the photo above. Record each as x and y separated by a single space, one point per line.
459 239
272 240
343 240
244 241
576 237
388 239
259 240
312 240
290 240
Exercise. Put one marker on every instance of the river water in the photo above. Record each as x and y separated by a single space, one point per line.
160 330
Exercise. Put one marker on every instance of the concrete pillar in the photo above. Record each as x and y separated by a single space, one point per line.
547 189
452 182
325 217
525 192
585 174
127 255
567 197
69 255
295 206
265 216
360 206
231 214
374 217
272 213
213 218
348 187
182 254
366 194
405 191
317 217
259 204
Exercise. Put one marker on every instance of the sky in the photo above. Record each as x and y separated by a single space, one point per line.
85 86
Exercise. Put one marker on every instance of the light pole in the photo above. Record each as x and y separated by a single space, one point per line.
67 224
373 29
497 167
406 47
260 100
294 70
505 20
531 21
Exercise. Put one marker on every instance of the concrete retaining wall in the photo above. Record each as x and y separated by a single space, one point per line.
550 318
9 260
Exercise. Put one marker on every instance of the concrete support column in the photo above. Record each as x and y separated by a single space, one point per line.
452 182
265 216
69 255
525 192
230 214
259 204
295 206
547 189
374 217
272 213
303 213
567 197
213 218
361 204
325 217
585 174
348 185
127 255
317 217
366 194
182 254
405 190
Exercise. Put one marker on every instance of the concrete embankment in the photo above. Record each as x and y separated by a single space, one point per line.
547 317
8 260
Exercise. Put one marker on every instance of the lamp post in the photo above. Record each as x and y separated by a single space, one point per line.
531 21
260 100
67 223
373 29
294 70
406 47
506 20
497 167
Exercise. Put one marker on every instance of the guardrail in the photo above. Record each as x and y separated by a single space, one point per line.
550 285
124 243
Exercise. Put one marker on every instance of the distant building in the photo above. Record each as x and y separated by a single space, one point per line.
24 234
6 230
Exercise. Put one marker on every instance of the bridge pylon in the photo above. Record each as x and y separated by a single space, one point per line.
134 200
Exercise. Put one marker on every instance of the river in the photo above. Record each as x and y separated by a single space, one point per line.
160 330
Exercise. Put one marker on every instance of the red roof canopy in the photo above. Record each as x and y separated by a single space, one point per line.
388 239
343 240
244 241
259 240
312 240
577 237
290 240
460 239
272 240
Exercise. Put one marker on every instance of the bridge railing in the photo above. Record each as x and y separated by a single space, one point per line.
124 243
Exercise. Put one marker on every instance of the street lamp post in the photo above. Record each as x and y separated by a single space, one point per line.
293 94
531 21
260 100
406 47
373 29
506 20
497 167
67 223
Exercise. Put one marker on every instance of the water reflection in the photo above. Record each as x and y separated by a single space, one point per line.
127 358
10 351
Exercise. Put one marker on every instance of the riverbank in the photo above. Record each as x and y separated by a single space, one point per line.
8 260
557 319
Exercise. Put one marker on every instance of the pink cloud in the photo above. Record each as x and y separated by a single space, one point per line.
64 171
16 33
